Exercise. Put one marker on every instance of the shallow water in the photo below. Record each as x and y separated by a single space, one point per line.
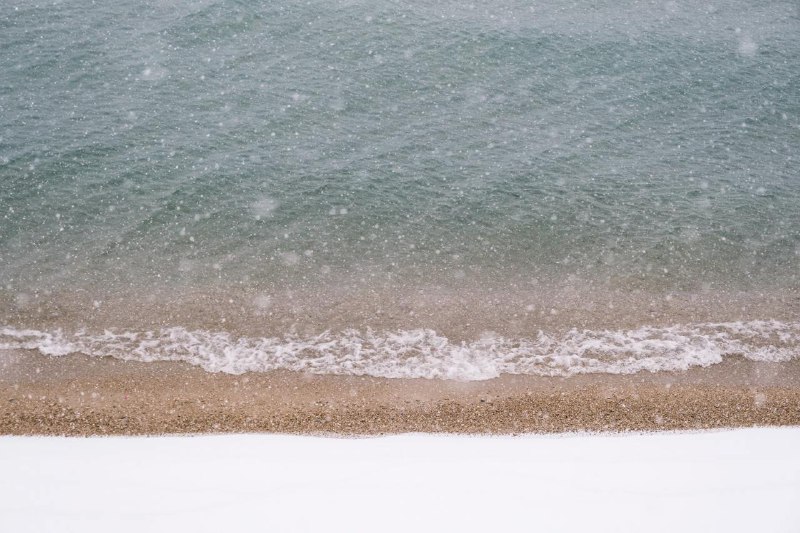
160 151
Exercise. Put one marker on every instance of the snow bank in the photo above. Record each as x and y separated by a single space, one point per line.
740 480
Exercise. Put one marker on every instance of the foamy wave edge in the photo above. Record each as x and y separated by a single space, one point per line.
422 353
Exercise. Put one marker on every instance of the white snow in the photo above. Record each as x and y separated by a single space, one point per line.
728 481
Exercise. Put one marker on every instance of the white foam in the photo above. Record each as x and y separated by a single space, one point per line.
422 353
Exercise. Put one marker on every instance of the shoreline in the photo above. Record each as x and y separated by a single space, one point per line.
81 396
462 311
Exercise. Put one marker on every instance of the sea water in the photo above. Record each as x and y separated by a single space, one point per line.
440 189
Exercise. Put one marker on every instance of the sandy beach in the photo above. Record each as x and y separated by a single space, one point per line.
78 395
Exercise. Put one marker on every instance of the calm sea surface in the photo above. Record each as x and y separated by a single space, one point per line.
302 161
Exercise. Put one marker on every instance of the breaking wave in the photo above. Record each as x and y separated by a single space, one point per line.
422 353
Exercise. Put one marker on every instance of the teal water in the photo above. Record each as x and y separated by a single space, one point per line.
216 144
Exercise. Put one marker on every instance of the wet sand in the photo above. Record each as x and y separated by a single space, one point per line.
78 395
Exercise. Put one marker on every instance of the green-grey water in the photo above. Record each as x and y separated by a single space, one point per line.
206 145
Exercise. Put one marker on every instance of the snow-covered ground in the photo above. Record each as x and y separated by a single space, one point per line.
739 480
